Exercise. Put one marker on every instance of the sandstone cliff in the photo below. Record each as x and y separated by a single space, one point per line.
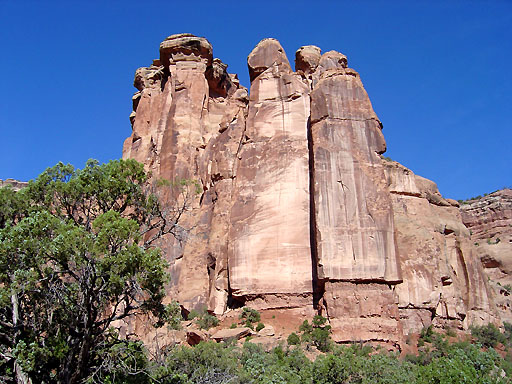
297 212
443 279
490 221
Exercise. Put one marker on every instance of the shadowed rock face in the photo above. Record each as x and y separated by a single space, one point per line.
297 211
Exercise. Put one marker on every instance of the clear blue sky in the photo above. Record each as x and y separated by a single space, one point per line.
439 74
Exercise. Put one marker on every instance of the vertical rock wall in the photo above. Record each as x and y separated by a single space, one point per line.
269 238
296 209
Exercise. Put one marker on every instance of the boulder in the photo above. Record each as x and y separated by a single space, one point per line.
267 331
230 334
185 47
266 54
195 336
307 59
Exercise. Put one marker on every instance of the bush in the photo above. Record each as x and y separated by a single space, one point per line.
487 335
450 332
508 332
192 315
426 334
250 315
316 333
293 339
207 362
207 321
259 327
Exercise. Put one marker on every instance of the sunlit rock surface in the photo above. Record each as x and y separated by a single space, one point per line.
295 210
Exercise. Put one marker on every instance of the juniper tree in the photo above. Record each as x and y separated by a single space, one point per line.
77 255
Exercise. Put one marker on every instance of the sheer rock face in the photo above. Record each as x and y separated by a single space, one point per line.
443 283
188 122
490 221
296 211
269 248
353 213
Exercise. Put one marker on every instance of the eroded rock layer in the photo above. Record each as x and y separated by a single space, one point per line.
296 210
443 283
490 221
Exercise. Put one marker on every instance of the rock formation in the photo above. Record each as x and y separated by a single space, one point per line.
443 283
297 212
489 220
14 184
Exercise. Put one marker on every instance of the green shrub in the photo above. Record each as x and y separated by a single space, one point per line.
207 321
487 335
249 324
233 325
192 314
259 327
250 315
207 362
305 327
293 339
426 334
507 334
316 333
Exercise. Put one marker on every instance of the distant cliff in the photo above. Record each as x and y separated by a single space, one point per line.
298 213
14 184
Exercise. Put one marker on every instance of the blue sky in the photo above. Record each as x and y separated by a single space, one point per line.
438 75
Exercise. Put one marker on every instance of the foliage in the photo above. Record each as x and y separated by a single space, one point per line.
426 334
293 339
203 319
250 316
487 335
172 315
317 333
76 255
192 314
222 363
259 327
207 362
507 334
207 321
450 332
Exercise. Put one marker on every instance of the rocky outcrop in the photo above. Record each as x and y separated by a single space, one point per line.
489 220
188 123
296 210
14 184
443 283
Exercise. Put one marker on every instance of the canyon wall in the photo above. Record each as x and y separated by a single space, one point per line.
296 209
489 219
